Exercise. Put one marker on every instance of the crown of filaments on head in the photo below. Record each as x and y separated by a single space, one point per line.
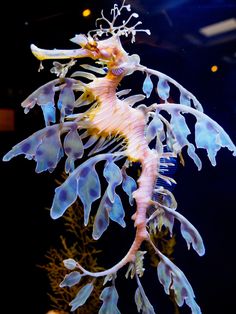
121 30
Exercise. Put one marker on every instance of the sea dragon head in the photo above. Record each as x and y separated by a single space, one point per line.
108 51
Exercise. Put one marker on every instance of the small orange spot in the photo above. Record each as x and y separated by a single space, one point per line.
214 68
86 12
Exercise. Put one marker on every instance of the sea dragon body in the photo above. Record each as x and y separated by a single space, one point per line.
109 118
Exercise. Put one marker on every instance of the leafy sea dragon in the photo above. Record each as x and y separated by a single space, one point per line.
114 128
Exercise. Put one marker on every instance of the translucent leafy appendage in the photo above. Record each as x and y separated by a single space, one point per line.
46 148
172 278
113 175
84 183
147 86
81 296
208 134
107 209
109 297
71 279
44 97
141 300
163 88
165 217
129 185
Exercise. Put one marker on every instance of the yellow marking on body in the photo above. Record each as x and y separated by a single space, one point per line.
93 112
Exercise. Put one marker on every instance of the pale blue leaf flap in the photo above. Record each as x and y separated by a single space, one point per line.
49 113
44 146
106 210
191 235
129 185
188 231
164 276
172 278
49 151
163 89
44 97
109 296
116 211
89 188
73 147
65 195
185 99
181 132
66 99
81 296
155 128
71 279
208 134
113 175
70 263
207 137
101 220
28 146
84 182
147 86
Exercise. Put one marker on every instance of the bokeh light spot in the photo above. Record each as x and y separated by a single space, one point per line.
214 68
86 12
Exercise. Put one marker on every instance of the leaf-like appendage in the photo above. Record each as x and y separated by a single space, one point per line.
66 101
44 146
164 276
168 199
129 185
132 100
181 131
208 134
164 198
192 236
167 220
172 278
84 182
87 75
71 279
89 189
116 211
163 89
73 147
107 210
65 195
28 147
44 97
101 220
93 68
147 86
142 302
209 138
70 263
50 151
188 231
81 296
185 99
155 128
109 296
113 175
